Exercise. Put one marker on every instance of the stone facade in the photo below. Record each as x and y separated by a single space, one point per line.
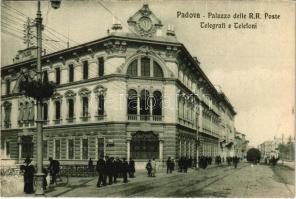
136 93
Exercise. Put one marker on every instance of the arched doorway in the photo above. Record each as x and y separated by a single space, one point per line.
144 145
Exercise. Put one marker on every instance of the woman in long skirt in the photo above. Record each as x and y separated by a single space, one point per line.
29 171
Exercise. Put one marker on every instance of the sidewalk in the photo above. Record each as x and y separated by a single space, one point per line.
288 164
90 182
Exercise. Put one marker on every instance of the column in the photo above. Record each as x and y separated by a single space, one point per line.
180 147
139 66
19 142
128 155
151 105
189 148
160 151
138 105
151 67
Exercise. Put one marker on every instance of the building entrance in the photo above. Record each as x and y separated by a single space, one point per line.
144 145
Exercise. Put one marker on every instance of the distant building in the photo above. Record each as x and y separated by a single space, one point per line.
240 145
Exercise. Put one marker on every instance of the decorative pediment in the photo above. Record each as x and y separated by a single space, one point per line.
144 22
100 90
69 94
56 96
84 92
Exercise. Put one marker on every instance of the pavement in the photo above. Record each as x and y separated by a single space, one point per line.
245 181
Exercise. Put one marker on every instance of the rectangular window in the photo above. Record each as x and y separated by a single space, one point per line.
70 149
7 87
71 108
145 67
7 148
45 112
57 149
101 66
84 106
44 149
71 73
85 70
58 110
58 75
101 105
27 146
100 147
84 149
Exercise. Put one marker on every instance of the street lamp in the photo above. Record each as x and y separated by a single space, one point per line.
39 175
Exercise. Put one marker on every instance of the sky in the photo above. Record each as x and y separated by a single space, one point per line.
254 68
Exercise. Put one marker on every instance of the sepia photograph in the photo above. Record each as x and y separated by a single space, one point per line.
147 98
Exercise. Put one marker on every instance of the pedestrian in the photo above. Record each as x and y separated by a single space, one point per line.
172 165
54 169
153 163
101 164
149 168
90 166
124 170
235 161
116 169
109 170
29 171
44 171
131 167
169 166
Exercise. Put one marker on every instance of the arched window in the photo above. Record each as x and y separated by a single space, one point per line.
145 103
133 68
157 71
132 102
70 108
145 67
146 64
157 106
101 105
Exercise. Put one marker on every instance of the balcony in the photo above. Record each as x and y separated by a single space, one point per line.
57 121
100 117
45 122
84 116
154 118
7 124
71 119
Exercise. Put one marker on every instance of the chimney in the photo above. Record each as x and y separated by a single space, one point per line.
171 30
116 25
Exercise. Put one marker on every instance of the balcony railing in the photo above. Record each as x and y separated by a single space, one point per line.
85 116
134 117
57 121
145 117
45 122
70 119
100 117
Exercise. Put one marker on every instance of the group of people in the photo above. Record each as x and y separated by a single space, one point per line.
113 168
29 171
232 160
151 168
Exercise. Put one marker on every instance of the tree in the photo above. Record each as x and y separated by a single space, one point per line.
253 155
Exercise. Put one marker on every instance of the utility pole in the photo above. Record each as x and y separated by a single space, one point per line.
39 175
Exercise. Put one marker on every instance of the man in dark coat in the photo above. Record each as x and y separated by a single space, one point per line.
169 165
29 171
101 170
90 166
116 169
149 168
131 167
110 170
124 170
54 169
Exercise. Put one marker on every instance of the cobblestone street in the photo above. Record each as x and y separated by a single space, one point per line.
245 181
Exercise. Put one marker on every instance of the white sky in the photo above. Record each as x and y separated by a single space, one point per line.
255 68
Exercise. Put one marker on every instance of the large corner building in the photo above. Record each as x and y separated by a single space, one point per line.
137 93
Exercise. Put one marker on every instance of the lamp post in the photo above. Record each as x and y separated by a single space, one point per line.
39 175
